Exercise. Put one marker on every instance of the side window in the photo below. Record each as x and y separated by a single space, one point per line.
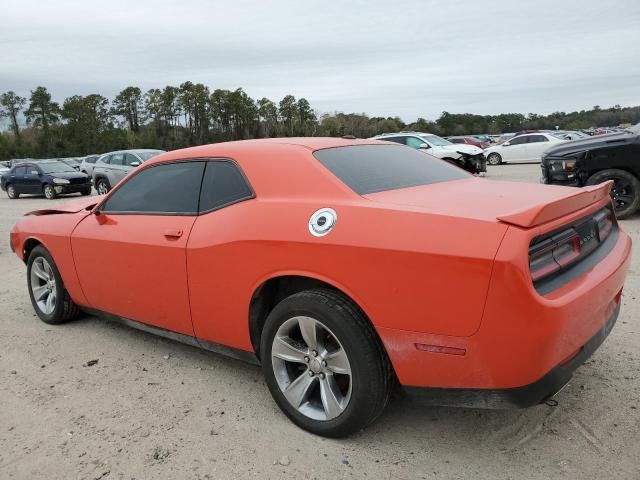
20 170
171 188
401 140
537 139
91 159
519 140
414 142
456 140
117 159
129 158
223 184
107 159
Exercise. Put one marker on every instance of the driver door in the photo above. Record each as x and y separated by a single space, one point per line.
516 151
131 256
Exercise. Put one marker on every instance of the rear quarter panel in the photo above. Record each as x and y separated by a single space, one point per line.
407 269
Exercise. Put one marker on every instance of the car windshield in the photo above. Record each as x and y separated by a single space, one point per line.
147 155
435 140
376 168
55 167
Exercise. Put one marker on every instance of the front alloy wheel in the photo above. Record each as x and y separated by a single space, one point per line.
49 298
494 159
311 368
102 187
43 285
49 192
11 192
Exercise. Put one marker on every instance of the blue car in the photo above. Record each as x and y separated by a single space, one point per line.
48 178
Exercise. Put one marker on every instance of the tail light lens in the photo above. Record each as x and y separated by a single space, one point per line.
549 256
557 251
605 224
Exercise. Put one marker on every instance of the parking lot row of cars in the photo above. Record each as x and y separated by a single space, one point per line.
53 177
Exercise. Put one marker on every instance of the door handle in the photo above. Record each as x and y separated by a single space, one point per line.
173 233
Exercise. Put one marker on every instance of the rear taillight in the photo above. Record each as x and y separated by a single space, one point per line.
605 224
557 251
552 254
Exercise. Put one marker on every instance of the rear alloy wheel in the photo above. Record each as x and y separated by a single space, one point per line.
102 187
49 192
494 159
324 363
46 290
625 192
11 192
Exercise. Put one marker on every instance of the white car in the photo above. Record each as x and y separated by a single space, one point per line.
432 144
523 148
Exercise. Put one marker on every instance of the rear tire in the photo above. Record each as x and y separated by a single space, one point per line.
102 186
625 192
494 159
49 192
308 381
11 192
49 298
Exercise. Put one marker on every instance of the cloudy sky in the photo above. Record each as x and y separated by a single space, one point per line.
407 58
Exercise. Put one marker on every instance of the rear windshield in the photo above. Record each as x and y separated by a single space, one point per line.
375 168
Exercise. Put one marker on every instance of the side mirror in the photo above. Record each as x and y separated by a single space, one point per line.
135 164
424 146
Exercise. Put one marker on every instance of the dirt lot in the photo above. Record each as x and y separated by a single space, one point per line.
152 408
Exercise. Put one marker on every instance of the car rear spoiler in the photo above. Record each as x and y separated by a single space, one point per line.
538 214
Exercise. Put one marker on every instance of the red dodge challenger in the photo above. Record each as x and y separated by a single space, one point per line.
345 268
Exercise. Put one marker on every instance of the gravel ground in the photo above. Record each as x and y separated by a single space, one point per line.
152 408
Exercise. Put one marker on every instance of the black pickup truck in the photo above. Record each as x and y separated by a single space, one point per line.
595 160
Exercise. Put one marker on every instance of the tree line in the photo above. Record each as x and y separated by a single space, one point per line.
192 114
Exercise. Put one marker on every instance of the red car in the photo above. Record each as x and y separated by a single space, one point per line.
344 267
469 141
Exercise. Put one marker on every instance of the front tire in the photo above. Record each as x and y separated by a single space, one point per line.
324 363
49 298
625 192
102 186
494 159
12 193
49 192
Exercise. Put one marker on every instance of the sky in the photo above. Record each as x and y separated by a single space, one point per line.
394 58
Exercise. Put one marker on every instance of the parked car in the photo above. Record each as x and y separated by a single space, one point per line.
87 164
344 278
112 167
570 135
49 178
595 160
72 162
468 157
523 148
469 141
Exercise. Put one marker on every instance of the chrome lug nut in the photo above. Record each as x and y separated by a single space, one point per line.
314 353
306 359
322 375
310 373
324 363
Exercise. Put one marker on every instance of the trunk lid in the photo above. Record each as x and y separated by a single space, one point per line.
524 205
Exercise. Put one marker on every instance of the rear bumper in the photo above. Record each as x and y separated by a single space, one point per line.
526 396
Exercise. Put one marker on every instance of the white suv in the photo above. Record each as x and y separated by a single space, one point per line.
460 154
